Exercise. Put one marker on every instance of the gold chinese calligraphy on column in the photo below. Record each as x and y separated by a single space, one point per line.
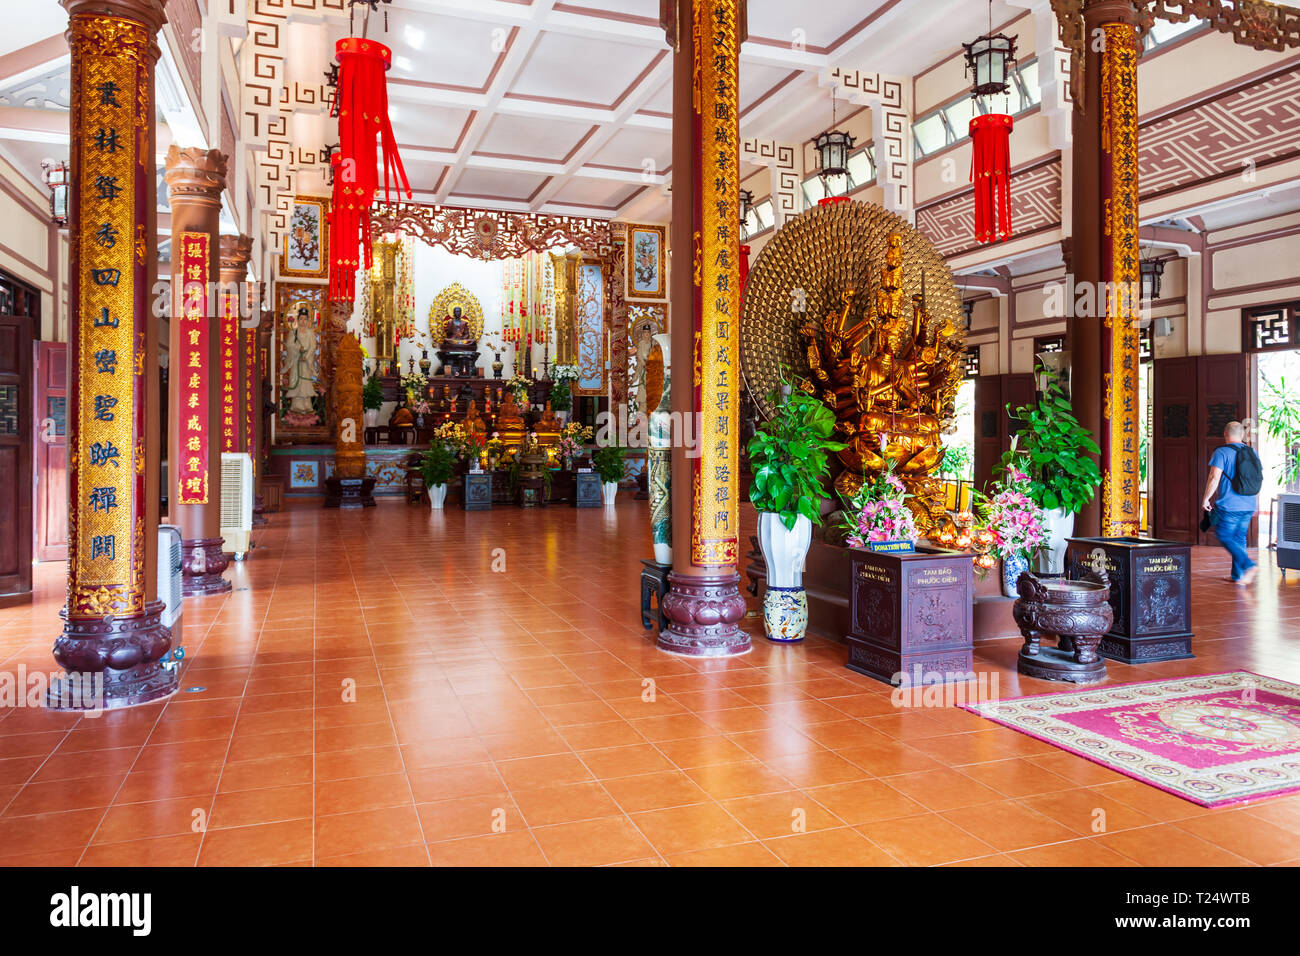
1121 483
230 397
714 532
110 158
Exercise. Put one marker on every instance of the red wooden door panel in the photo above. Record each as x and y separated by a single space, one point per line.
51 418
1223 387
1174 449
15 457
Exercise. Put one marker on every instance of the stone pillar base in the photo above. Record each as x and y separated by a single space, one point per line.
349 492
113 662
202 563
702 612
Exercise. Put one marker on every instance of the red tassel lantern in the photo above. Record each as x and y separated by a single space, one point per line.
362 98
990 172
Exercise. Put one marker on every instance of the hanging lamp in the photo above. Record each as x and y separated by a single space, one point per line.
987 60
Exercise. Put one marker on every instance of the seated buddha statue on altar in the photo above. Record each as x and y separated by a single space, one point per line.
891 379
401 416
459 352
510 424
474 424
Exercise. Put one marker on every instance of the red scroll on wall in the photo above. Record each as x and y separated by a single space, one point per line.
364 131
189 289
229 373
990 171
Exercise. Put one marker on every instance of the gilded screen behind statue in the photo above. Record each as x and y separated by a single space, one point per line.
857 303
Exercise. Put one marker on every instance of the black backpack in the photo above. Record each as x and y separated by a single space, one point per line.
1248 476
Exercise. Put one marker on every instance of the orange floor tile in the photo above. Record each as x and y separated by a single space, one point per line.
373 692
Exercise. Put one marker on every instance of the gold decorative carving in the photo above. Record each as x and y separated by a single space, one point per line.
349 445
490 233
852 298
446 300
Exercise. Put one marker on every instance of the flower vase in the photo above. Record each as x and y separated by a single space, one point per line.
785 603
785 614
497 365
1012 568
609 489
425 363
419 421
371 416
1059 525
437 496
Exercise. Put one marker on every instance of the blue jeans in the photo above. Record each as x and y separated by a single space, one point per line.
1230 528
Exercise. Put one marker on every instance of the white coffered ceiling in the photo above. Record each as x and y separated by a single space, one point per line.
565 105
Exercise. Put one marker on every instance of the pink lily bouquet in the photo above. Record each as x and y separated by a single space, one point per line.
879 512
568 448
1015 523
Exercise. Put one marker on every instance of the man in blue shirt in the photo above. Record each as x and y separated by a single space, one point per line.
1230 513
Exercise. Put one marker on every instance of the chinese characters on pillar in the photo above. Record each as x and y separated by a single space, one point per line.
1120 268
230 397
108 124
190 265
250 376
714 532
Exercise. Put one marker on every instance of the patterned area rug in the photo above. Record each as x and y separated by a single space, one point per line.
1215 740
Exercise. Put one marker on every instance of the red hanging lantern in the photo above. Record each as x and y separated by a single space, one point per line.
990 171
362 98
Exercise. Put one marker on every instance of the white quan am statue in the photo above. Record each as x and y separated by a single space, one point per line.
302 372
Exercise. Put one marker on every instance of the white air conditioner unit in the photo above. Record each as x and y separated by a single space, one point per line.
169 589
1288 533
236 502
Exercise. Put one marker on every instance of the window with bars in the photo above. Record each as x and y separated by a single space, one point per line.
1146 345
972 365
1270 328
1048 344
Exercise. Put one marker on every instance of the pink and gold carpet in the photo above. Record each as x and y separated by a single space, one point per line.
1216 740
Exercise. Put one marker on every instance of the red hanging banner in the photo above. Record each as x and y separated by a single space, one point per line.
990 171
190 264
364 129
229 373
250 381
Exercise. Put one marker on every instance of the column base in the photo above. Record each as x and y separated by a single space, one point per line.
702 612
202 563
350 492
112 662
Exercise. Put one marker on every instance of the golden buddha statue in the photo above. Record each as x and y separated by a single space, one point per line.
510 424
473 423
892 382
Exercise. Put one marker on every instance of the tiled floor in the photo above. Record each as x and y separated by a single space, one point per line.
402 687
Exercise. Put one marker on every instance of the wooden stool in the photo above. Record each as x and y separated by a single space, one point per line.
654 581
414 479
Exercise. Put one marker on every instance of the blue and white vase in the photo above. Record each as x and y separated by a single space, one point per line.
785 614
1012 568
785 603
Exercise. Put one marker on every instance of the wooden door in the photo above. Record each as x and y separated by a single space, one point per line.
16 334
1223 389
988 432
50 416
1175 491
994 428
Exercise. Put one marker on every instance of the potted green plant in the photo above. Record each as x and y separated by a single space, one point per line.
788 458
1056 451
437 468
1279 413
372 399
561 400
608 463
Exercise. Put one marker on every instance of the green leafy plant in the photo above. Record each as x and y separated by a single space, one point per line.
438 464
372 393
1055 447
957 462
788 456
561 396
1279 413
608 463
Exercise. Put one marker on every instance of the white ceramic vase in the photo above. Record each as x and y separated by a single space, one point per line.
784 549
785 603
371 416
609 490
1059 525
437 496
